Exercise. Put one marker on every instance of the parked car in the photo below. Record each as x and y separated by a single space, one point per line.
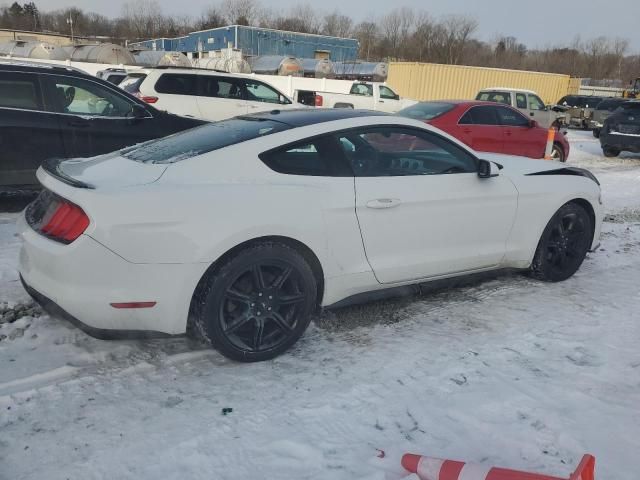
487 127
579 109
331 93
59 112
527 102
604 109
327 205
621 131
370 96
204 94
112 75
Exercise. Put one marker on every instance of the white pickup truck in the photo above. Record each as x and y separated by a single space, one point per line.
329 93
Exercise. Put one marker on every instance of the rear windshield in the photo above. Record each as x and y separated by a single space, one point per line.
631 106
199 140
131 83
427 110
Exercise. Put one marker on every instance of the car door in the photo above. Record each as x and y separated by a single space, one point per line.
388 101
479 128
539 112
519 137
93 118
176 93
221 97
28 133
422 209
261 97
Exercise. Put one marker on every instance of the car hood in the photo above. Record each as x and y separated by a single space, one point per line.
103 171
520 165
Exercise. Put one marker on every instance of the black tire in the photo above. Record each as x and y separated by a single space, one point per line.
258 303
557 153
564 244
610 152
596 132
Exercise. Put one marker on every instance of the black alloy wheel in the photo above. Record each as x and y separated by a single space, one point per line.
564 244
259 303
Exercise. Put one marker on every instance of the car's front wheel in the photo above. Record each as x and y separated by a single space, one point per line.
557 153
610 152
564 244
258 303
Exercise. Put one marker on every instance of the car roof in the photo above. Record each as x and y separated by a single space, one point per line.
35 67
508 89
464 102
301 117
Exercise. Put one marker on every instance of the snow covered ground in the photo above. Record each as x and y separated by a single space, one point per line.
507 371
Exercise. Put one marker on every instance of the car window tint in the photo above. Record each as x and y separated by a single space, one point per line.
19 91
609 105
362 89
386 92
521 100
84 97
535 103
426 110
482 115
399 151
511 118
319 157
222 87
498 97
177 84
206 138
260 92
116 78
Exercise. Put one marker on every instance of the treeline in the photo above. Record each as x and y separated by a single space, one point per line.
403 34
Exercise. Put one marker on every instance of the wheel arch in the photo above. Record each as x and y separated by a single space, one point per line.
308 254
586 204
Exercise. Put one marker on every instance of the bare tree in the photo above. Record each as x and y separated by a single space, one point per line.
144 17
337 25
458 30
212 17
367 35
240 12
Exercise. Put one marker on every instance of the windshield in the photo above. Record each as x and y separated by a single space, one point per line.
609 105
131 84
199 140
427 110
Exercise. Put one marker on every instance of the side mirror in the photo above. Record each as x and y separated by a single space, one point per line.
487 169
533 124
396 97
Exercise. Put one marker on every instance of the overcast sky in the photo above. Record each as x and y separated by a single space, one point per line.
536 23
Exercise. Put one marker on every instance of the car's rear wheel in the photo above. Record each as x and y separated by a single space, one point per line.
564 244
258 303
596 132
557 153
610 152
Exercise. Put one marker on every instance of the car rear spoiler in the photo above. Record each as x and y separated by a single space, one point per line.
51 166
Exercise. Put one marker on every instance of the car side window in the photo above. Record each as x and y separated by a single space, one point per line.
497 97
399 151
481 115
511 118
535 103
260 92
362 89
318 157
83 97
19 90
387 93
521 100
177 84
222 87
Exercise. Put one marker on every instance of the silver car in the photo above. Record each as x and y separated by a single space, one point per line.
527 102
603 111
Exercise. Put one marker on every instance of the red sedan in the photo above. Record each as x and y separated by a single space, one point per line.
489 127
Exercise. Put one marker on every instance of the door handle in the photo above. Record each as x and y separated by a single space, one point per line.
379 203
467 130
507 133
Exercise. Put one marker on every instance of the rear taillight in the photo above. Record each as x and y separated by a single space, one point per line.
57 218
148 99
319 100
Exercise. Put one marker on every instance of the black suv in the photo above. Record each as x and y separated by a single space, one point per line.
621 131
59 112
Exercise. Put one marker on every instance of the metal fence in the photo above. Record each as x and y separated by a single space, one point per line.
431 81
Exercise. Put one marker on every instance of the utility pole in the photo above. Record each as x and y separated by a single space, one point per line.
70 23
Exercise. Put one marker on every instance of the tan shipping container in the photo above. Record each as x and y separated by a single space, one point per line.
432 81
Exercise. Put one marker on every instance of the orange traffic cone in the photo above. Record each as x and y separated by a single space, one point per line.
428 468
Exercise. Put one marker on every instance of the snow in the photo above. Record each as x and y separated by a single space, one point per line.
506 371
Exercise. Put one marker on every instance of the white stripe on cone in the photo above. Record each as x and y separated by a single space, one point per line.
429 468
474 471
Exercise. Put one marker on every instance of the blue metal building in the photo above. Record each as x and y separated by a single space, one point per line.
254 41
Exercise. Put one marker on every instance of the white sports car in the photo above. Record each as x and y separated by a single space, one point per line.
239 230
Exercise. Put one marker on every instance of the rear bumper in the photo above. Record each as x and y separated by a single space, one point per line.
79 281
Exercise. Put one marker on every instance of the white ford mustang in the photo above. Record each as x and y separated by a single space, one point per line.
238 230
